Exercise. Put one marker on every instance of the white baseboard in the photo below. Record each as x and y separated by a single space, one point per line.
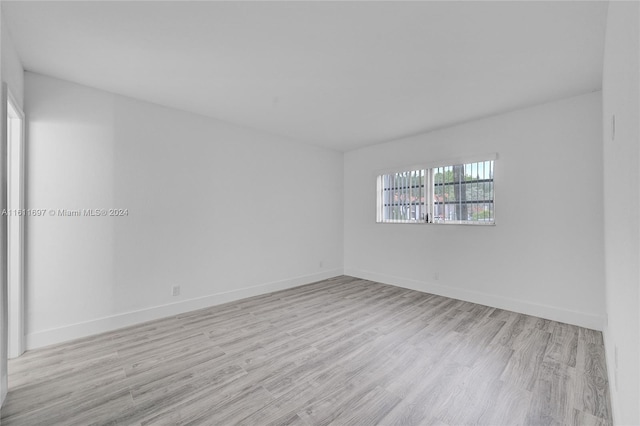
610 362
114 322
582 319
4 387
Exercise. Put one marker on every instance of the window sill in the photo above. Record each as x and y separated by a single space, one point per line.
413 222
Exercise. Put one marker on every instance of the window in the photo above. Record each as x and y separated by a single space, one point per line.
460 193
403 196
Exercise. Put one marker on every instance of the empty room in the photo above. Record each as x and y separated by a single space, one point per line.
320 213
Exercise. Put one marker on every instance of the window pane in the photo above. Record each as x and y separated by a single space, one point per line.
463 193
402 196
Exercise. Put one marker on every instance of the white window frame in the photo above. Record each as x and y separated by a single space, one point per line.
429 169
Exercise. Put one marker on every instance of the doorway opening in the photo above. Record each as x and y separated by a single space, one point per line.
15 227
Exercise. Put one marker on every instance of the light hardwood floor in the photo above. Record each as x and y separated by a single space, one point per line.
343 351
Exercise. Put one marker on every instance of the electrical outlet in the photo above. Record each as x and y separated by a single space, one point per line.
436 276
321 264
175 290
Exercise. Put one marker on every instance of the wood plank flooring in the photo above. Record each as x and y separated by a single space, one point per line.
343 351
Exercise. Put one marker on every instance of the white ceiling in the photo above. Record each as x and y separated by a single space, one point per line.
336 74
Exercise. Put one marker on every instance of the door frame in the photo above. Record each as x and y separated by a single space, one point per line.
15 228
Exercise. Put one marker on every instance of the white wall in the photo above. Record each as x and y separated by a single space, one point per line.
545 254
222 211
620 92
11 73
4 327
